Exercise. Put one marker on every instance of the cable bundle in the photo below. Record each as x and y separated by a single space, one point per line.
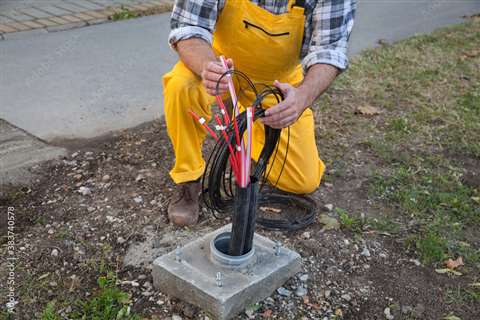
231 180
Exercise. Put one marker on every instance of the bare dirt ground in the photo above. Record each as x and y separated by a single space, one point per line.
402 184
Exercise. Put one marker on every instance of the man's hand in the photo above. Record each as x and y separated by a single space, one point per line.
211 73
289 110
198 56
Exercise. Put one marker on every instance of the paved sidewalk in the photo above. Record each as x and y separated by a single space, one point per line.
32 17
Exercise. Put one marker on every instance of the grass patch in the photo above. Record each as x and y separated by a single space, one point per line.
49 312
463 295
109 303
428 88
349 222
125 14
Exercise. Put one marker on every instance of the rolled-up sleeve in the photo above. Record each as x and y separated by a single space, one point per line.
332 23
193 19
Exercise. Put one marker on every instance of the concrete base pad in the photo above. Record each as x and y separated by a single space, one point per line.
193 278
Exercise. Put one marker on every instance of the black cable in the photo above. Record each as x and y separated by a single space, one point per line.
217 182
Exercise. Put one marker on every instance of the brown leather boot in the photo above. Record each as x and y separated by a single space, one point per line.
183 209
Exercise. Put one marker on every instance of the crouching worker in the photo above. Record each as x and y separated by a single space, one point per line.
302 45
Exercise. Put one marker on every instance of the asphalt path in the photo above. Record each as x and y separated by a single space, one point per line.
85 82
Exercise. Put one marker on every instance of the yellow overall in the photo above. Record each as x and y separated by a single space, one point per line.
266 47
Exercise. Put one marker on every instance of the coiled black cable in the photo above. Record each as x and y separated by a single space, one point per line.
218 184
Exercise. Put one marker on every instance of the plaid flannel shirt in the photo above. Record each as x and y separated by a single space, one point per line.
328 24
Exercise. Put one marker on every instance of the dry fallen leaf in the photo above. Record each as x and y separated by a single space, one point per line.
43 276
453 264
267 313
306 301
446 270
329 222
270 209
339 312
452 317
472 54
368 110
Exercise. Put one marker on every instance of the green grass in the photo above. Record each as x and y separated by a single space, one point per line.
49 312
428 88
463 295
109 303
349 222
125 14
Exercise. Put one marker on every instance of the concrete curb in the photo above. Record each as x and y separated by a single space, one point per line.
19 151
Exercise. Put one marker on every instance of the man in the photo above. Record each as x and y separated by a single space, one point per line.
302 45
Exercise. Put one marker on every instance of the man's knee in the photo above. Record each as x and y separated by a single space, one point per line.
300 184
179 85
307 184
181 92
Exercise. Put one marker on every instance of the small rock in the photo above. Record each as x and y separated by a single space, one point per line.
139 178
91 209
160 302
418 311
138 199
189 311
106 178
121 240
416 262
51 231
84 191
54 253
135 283
301 291
329 207
284 292
346 297
306 235
407 309
365 252
388 314
74 154
303 277
176 317
328 293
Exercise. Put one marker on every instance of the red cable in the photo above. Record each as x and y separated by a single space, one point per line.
232 153
226 118
203 122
